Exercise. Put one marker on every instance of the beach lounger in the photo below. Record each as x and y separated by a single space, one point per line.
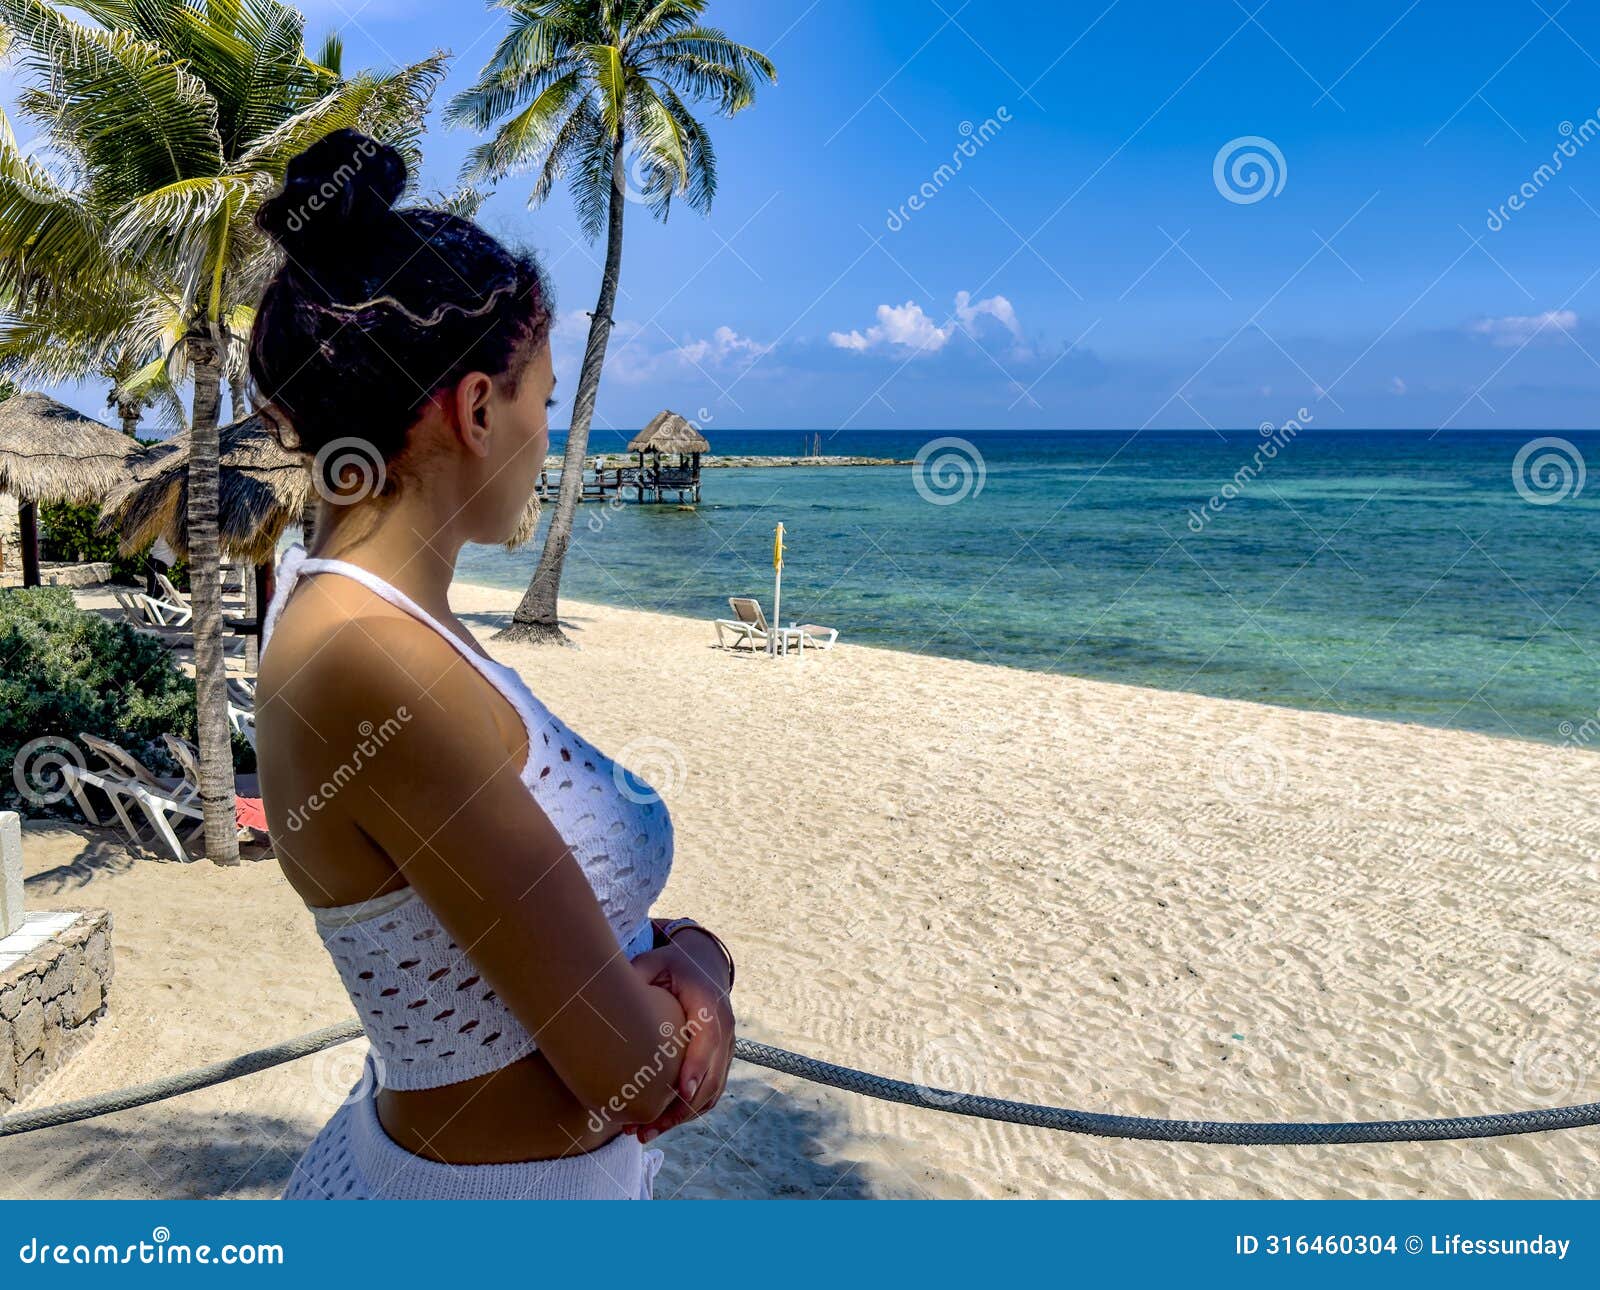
249 811
159 799
243 721
749 627
159 612
110 782
169 622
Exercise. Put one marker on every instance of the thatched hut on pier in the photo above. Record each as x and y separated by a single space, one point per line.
671 435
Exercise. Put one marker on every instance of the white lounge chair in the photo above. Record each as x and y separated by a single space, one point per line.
243 722
749 627
188 758
112 783
159 799
162 613
231 595
169 622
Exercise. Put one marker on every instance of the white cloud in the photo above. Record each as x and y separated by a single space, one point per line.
903 325
1397 386
724 344
908 327
996 307
634 355
1520 329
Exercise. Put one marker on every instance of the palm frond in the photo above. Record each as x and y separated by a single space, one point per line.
704 63
522 143
139 118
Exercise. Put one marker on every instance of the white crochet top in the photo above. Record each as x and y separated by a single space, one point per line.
430 1017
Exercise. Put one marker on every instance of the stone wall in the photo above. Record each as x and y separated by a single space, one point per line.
10 538
55 974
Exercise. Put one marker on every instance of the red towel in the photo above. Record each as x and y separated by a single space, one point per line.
249 813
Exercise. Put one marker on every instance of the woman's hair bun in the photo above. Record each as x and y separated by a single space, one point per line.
344 182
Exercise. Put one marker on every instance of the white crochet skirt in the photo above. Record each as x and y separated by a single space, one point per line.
352 1158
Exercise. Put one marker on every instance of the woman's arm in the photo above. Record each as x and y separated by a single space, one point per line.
443 799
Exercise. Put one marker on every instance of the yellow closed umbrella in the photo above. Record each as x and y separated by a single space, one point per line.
777 590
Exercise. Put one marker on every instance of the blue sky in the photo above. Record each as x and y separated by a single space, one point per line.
1084 266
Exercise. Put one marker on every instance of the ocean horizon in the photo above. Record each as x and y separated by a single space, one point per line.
1428 576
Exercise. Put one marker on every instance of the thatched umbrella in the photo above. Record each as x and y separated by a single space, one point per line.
52 453
670 433
262 489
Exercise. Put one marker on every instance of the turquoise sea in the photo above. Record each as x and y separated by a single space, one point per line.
1394 574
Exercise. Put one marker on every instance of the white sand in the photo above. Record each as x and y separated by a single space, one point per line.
1027 885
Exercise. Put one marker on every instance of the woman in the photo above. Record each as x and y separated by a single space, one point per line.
481 875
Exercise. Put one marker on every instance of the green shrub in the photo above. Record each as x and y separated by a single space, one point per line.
73 533
64 671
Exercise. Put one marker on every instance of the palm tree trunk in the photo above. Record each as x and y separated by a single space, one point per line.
205 595
238 397
131 413
536 617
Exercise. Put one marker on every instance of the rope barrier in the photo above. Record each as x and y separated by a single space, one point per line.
1238 1134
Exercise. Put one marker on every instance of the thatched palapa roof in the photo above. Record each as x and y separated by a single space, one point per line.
263 488
52 453
668 432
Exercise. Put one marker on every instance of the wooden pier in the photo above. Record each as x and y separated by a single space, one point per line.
649 478
642 483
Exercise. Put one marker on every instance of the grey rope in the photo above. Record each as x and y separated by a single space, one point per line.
887 1090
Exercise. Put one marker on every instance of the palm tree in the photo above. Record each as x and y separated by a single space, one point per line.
179 118
582 83
99 331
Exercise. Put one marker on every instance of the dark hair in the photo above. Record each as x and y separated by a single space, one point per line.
374 310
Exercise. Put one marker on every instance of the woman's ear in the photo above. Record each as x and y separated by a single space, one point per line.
474 393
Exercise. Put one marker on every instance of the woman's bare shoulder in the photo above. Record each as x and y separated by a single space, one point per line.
341 658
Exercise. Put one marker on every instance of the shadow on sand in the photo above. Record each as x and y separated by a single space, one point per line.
757 1145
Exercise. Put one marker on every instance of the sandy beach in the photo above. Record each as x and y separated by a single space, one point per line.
1041 888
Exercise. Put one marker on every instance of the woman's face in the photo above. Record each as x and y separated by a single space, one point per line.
520 439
